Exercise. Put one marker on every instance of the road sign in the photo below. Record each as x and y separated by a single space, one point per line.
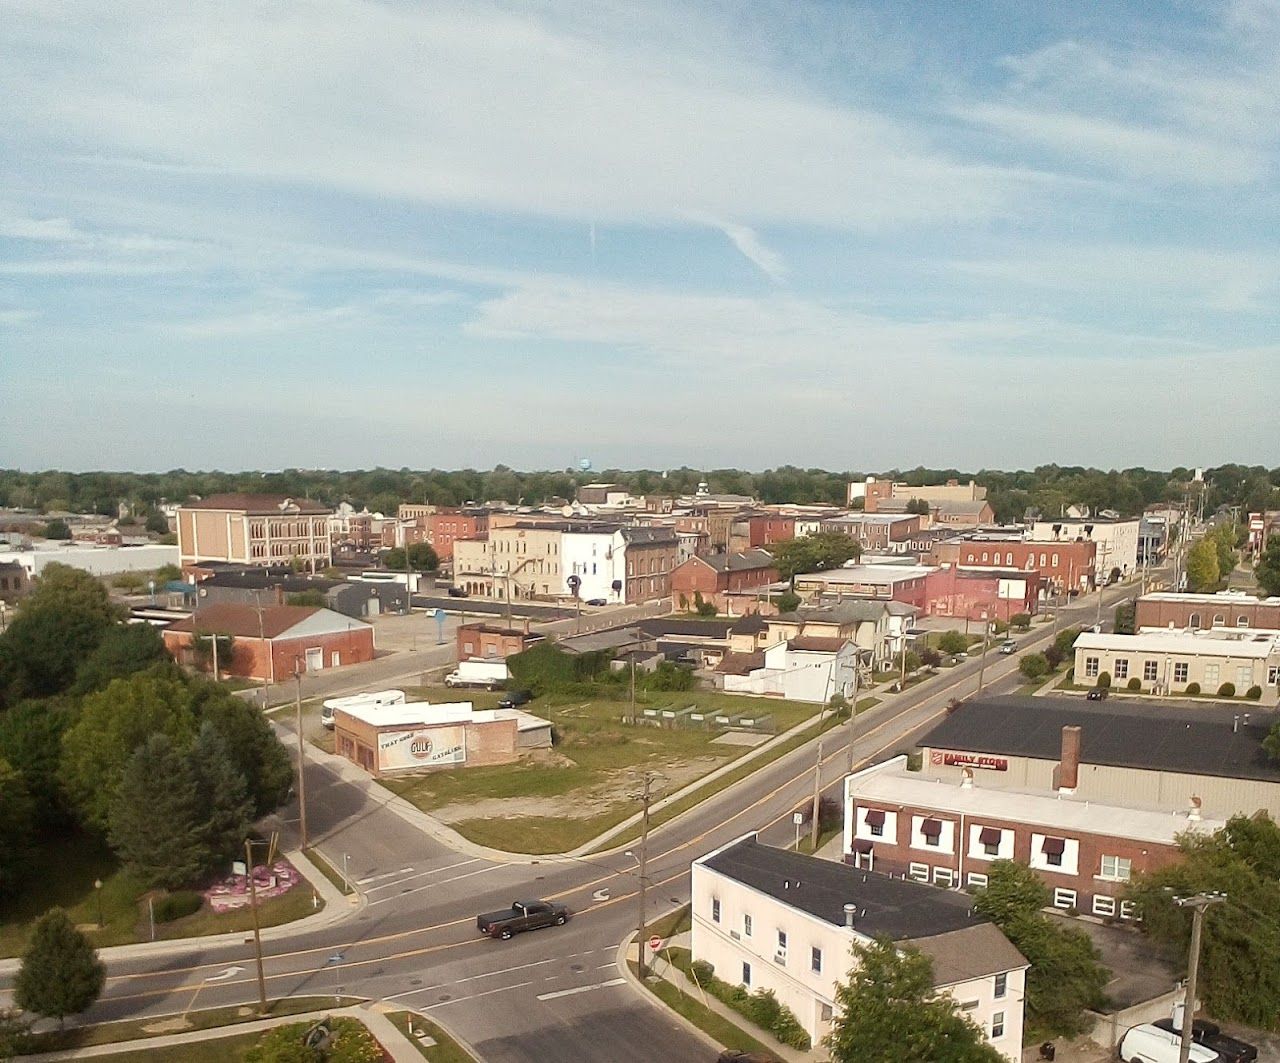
439 616
655 944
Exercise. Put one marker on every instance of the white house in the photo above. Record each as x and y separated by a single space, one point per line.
597 556
768 918
805 668
1117 540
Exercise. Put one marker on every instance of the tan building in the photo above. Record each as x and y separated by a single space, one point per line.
254 530
1168 662
521 561
875 491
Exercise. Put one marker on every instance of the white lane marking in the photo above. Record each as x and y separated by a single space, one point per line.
421 874
490 974
475 996
431 885
582 989
230 972
385 874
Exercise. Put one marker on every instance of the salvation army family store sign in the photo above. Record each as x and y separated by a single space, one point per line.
424 748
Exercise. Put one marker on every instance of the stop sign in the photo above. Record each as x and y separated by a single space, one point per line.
655 943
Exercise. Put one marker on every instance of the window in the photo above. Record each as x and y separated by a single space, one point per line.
815 960
1193 620
715 909
746 925
1244 677
919 872
1117 867
1273 676
1064 898
746 974
997 1025
1091 667
1104 905
1055 560
1002 985
1181 671
1211 673
944 876
989 839
975 879
1121 668
782 942
1008 559
1219 620
1242 621
1128 910
1150 670
1053 849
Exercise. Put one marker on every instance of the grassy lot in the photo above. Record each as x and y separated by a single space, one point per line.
720 1029
62 874
596 756
217 1050
109 1033
445 1050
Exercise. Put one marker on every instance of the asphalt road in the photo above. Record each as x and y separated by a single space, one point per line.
554 994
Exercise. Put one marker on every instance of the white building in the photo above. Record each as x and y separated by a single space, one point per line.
1167 661
1117 540
806 668
767 918
597 556
98 560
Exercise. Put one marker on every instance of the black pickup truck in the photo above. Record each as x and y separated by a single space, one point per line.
522 915
1203 1032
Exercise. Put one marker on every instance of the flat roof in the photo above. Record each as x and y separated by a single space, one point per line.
892 784
1220 642
1154 735
1220 598
410 714
868 574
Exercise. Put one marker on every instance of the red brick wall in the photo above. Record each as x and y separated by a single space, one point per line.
473 642
1073 559
252 658
948 593
1156 613
694 576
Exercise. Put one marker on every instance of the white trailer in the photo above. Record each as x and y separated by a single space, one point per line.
478 672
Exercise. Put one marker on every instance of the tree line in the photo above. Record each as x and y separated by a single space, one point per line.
1046 487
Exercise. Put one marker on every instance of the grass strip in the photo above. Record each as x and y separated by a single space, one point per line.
230 1049
327 869
718 1028
445 1049
108 1033
669 926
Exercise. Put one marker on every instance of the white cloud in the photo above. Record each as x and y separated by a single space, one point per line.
752 248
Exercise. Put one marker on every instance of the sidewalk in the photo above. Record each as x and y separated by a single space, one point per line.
337 909
402 1050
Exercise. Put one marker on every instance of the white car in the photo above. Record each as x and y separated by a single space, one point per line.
1150 1044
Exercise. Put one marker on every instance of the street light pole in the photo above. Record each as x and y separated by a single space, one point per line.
1197 904
982 664
644 855
257 931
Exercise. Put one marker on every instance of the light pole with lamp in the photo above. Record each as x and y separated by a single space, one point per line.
302 753
97 892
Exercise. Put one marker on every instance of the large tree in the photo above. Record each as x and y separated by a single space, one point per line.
61 974
113 723
31 741
812 553
1240 949
1267 567
157 819
1203 568
17 823
250 741
887 1011
124 650
223 794
1065 978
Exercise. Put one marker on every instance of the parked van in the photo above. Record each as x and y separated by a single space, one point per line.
1150 1044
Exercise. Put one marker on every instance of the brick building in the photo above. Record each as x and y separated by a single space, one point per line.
761 529
1204 612
446 526
879 533
721 575
1062 566
490 641
905 823
274 642
254 530
981 593
651 555
899 583
15 583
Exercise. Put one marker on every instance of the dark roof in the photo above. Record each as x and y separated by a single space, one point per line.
740 560
857 609
817 644
258 504
896 907
637 536
707 629
260 580
740 663
242 620
751 624
1163 736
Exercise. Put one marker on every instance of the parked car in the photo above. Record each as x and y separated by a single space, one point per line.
1008 646
514 699
458 592
1149 1043
1098 694
522 915
597 601
1230 1049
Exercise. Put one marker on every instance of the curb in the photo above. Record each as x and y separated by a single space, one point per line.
620 958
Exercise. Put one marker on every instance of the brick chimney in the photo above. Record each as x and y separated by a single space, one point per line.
1067 774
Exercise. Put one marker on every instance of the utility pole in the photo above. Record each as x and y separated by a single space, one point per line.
262 642
853 707
253 908
1197 904
633 687
817 798
982 663
644 854
214 639
302 759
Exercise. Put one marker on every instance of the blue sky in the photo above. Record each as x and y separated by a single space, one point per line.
340 234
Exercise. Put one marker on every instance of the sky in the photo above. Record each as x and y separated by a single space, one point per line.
334 233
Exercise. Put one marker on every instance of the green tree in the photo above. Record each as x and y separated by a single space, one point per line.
1064 642
15 1035
251 743
167 574
1126 617
157 523
60 973
17 826
124 650
31 741
1065 977
312 596
952 642
887 1011
223 795
1224 542
1020 621
57 529
1267 568
1203 570
157 821
810 553
1034 666
112 724
787 602
422 558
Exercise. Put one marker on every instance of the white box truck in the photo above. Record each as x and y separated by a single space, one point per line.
478 672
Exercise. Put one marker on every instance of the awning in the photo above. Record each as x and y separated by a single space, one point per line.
990 836
862 845
1054 846
875 817
931 828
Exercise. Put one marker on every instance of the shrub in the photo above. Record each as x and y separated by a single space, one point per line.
1071 675
1104 680
952 642
999 627
1021 621
1227 690
931 657
1034 666
1193 688
684 603
1054 656
788 1030
763 1008
177 904
702 972
1134 683
707 609
1254 693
